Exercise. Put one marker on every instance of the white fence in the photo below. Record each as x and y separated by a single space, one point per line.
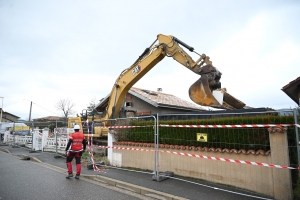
40 140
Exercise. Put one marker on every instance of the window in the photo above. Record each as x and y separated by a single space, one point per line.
128 104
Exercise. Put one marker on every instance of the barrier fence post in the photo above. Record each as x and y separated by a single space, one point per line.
56 142
55 132
297 136
156 143
32 148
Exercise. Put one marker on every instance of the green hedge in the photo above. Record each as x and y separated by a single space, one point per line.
232 138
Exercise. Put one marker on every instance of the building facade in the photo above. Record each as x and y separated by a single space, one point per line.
8 117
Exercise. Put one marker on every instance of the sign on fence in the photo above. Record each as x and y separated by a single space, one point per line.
201 137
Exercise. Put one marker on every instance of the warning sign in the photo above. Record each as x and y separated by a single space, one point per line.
201 137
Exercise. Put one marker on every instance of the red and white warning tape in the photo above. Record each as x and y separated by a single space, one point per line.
206 157
90 145
51 134
95 167
228 126
128 126
211 126
125 148
231 160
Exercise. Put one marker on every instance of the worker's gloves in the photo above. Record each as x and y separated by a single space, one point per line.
66 153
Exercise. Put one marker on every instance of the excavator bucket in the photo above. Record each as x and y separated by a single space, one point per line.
201 94
206 91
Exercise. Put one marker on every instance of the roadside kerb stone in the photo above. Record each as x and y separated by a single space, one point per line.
134 188
5 150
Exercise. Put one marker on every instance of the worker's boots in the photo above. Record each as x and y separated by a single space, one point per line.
77 176
70 176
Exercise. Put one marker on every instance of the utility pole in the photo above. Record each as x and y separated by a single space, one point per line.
30 110
32 127
1 119
1 109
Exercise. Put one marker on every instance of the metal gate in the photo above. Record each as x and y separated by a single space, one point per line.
137 136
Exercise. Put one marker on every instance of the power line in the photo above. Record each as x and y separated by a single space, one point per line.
41 106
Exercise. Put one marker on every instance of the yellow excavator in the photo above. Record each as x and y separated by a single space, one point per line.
206 91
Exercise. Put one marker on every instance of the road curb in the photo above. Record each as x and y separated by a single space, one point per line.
5 150
133 188
35 159
31 157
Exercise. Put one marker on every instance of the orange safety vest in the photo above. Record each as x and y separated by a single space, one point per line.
77 139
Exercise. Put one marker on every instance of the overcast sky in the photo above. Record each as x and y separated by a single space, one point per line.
52 50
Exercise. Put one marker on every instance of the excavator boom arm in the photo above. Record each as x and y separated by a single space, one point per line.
166 46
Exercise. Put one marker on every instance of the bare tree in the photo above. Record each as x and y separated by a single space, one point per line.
91 107
66 106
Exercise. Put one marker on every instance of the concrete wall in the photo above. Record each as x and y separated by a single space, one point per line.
275 183
234 174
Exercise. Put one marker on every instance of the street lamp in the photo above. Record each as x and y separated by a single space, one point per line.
1 110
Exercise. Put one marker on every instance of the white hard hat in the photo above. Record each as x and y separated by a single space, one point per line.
77 127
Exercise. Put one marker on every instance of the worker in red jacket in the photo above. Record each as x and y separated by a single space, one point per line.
78 145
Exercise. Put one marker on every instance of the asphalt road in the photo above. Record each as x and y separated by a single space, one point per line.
21 179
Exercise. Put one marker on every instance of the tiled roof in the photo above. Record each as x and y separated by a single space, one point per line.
49 118
292 90
159 99
291 83
3 113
